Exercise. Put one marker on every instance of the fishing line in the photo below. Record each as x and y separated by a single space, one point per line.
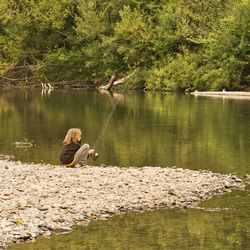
111 113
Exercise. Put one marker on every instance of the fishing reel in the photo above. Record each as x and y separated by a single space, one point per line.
94 156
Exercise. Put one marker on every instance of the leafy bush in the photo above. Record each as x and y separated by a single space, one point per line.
178 45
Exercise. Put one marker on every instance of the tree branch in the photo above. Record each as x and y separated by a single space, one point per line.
114 81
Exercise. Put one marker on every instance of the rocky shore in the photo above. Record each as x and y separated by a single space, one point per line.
36 199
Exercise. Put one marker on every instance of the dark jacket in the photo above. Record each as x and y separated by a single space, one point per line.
67 153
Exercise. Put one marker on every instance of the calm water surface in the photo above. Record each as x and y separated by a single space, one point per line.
146 129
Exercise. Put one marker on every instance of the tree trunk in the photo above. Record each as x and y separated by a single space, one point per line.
111 82
115 81
122 80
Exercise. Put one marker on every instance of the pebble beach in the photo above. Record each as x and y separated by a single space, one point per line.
39 199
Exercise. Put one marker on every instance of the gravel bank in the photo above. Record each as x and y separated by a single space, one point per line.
37 200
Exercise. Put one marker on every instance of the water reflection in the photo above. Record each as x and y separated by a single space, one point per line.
146 129
163 229
113 96
46 89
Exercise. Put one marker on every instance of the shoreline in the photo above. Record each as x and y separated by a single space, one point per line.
37 199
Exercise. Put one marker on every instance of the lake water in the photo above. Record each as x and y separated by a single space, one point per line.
146 129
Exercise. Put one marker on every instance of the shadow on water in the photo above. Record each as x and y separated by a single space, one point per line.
146 129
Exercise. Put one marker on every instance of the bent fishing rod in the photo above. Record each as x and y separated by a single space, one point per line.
95 155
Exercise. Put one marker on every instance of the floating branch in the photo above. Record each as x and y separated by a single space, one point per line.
24 144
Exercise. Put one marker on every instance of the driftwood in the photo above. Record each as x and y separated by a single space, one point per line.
24 144
63 84
111 82
224 94
114 81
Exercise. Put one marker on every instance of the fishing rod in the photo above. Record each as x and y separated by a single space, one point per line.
95 155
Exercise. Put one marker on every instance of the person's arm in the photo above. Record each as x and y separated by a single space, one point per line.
91 152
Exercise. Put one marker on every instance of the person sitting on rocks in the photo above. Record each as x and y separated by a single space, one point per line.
72 153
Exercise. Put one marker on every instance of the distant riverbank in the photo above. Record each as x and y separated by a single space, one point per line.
37 199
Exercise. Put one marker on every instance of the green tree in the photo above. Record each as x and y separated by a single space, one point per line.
228 51
178 45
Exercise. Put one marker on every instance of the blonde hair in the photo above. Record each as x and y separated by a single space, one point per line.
72 136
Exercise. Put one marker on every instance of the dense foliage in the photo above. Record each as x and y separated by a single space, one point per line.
178 45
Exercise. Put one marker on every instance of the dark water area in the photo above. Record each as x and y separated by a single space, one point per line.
147 129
